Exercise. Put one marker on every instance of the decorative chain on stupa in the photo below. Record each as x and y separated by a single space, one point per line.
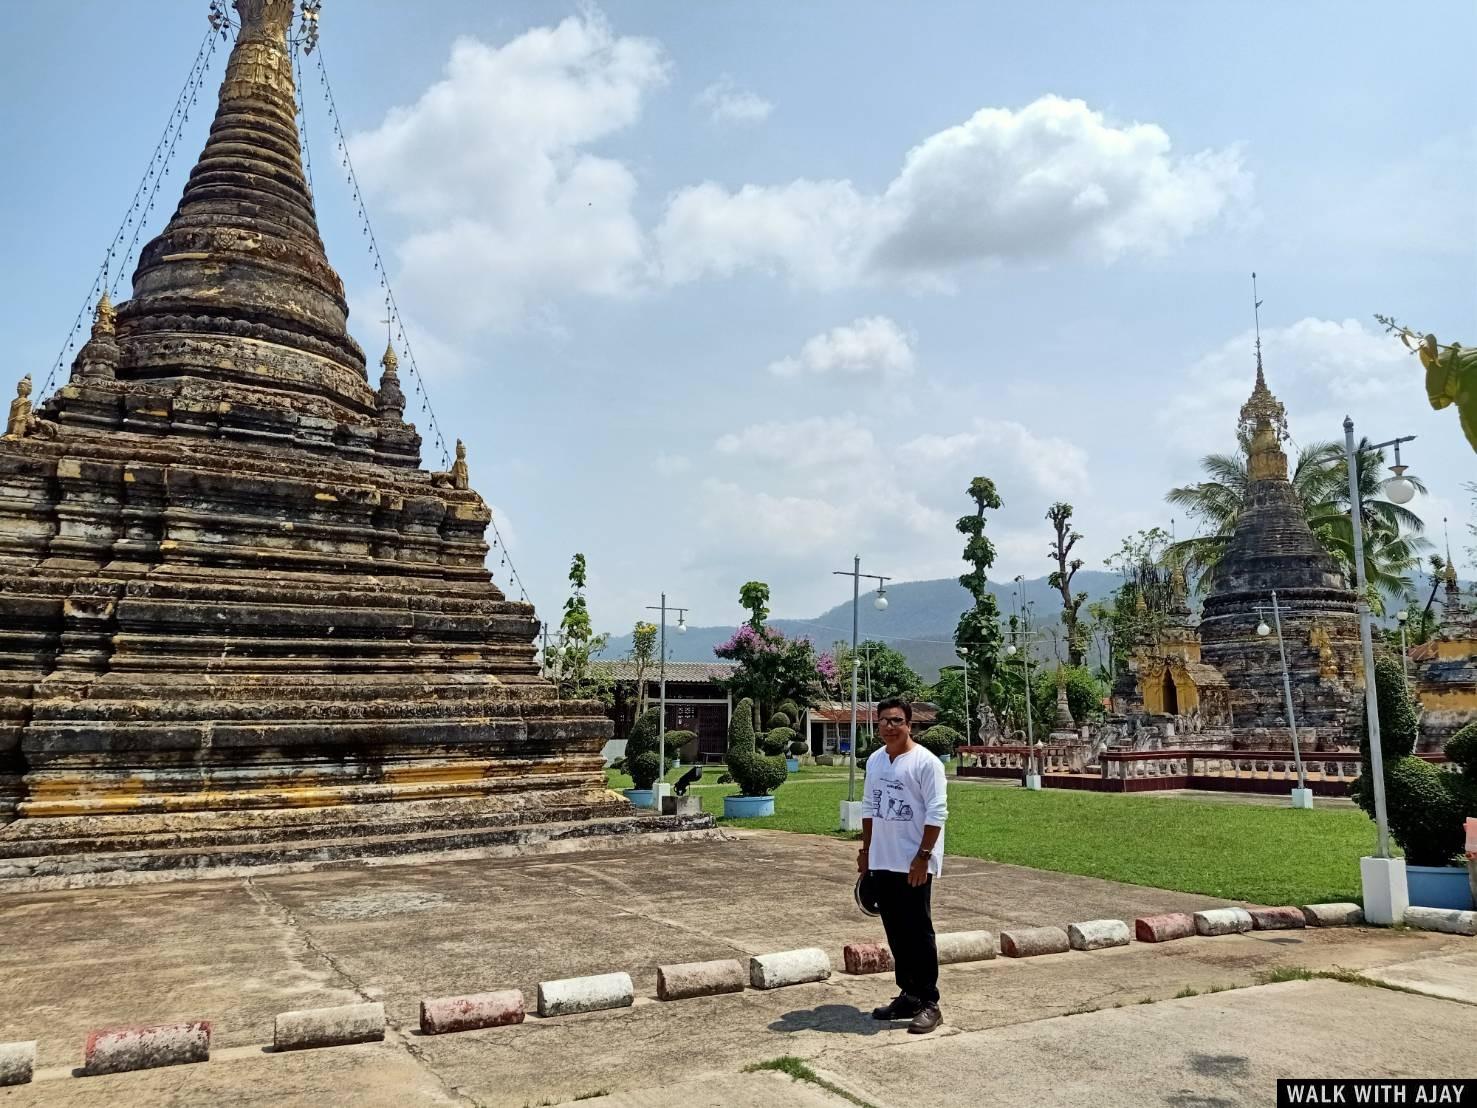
395 320
131 227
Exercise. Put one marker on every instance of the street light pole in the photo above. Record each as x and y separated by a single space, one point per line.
1400 617
661 723
1386 895
1301 797
880 603
963 652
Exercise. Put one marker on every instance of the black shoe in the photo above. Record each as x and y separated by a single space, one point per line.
926 1020
901 1007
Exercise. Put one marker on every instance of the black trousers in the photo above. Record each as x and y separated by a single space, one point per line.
907 916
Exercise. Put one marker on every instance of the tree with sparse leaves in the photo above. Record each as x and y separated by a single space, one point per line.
643 653
1059 515
578 643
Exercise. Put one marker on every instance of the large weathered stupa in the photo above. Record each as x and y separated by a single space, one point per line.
239 622
1273 548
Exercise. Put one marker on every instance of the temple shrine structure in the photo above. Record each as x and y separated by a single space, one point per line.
1446 669
1215 668
239 621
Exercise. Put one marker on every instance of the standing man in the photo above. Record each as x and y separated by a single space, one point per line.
904 806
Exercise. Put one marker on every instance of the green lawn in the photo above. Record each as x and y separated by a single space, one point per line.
1266 855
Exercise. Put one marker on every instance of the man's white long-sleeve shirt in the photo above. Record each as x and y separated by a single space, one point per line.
901 797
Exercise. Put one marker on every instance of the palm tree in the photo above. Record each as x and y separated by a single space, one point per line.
1392 542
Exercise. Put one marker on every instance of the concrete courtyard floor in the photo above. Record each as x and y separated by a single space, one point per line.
1065 1029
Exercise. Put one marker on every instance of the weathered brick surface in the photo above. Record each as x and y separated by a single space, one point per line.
789 967
1030 942
315 1027
1276 919
17 1063
1163 928
120 1049
690 979
1098 934
867 958
1341 914
1222 921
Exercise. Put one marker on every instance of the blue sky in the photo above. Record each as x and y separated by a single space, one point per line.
718 292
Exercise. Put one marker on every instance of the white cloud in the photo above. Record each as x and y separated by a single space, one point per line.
816 441
1056 466
489 167
810 231
873 346
1049 179
1317 367
727 103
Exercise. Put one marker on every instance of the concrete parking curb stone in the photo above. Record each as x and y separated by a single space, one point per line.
1031 942
472 1012
308 1028
1277 919
1452 921
122 1049
966 946
859 958
1222 921
789 967
690 979
1164 928
17 1063
1097 934
1339 914
585 994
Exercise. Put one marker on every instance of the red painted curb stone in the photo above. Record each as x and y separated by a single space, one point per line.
1161 929
867 958
1276 919
471 1012
121 1049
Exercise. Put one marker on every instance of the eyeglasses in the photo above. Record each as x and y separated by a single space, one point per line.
893 721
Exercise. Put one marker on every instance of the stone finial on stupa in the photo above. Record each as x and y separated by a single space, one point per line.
1064 720
98 358
390 400
1263 424
460 479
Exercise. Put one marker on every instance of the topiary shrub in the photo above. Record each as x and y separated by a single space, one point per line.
642 761
676 740
791 710
1426 806
940 739
756 774
780 740
779 719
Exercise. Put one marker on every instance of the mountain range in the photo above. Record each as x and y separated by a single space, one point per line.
919 620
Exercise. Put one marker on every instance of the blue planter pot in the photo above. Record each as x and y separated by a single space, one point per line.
642 798
1439 887
792 764
747 807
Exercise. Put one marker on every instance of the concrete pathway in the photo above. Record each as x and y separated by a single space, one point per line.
239 951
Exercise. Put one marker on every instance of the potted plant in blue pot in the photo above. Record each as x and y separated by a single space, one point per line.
1426 805
757 775
643 762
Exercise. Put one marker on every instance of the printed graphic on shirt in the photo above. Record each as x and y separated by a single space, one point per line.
891 804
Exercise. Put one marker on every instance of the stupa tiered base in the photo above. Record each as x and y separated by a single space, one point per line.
239 623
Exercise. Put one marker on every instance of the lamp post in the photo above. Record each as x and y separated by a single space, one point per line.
1400 617
661 723
963 652
1033 775
851 808
1386 895
1302 796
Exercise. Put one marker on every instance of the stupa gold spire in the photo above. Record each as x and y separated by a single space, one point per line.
1263 423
